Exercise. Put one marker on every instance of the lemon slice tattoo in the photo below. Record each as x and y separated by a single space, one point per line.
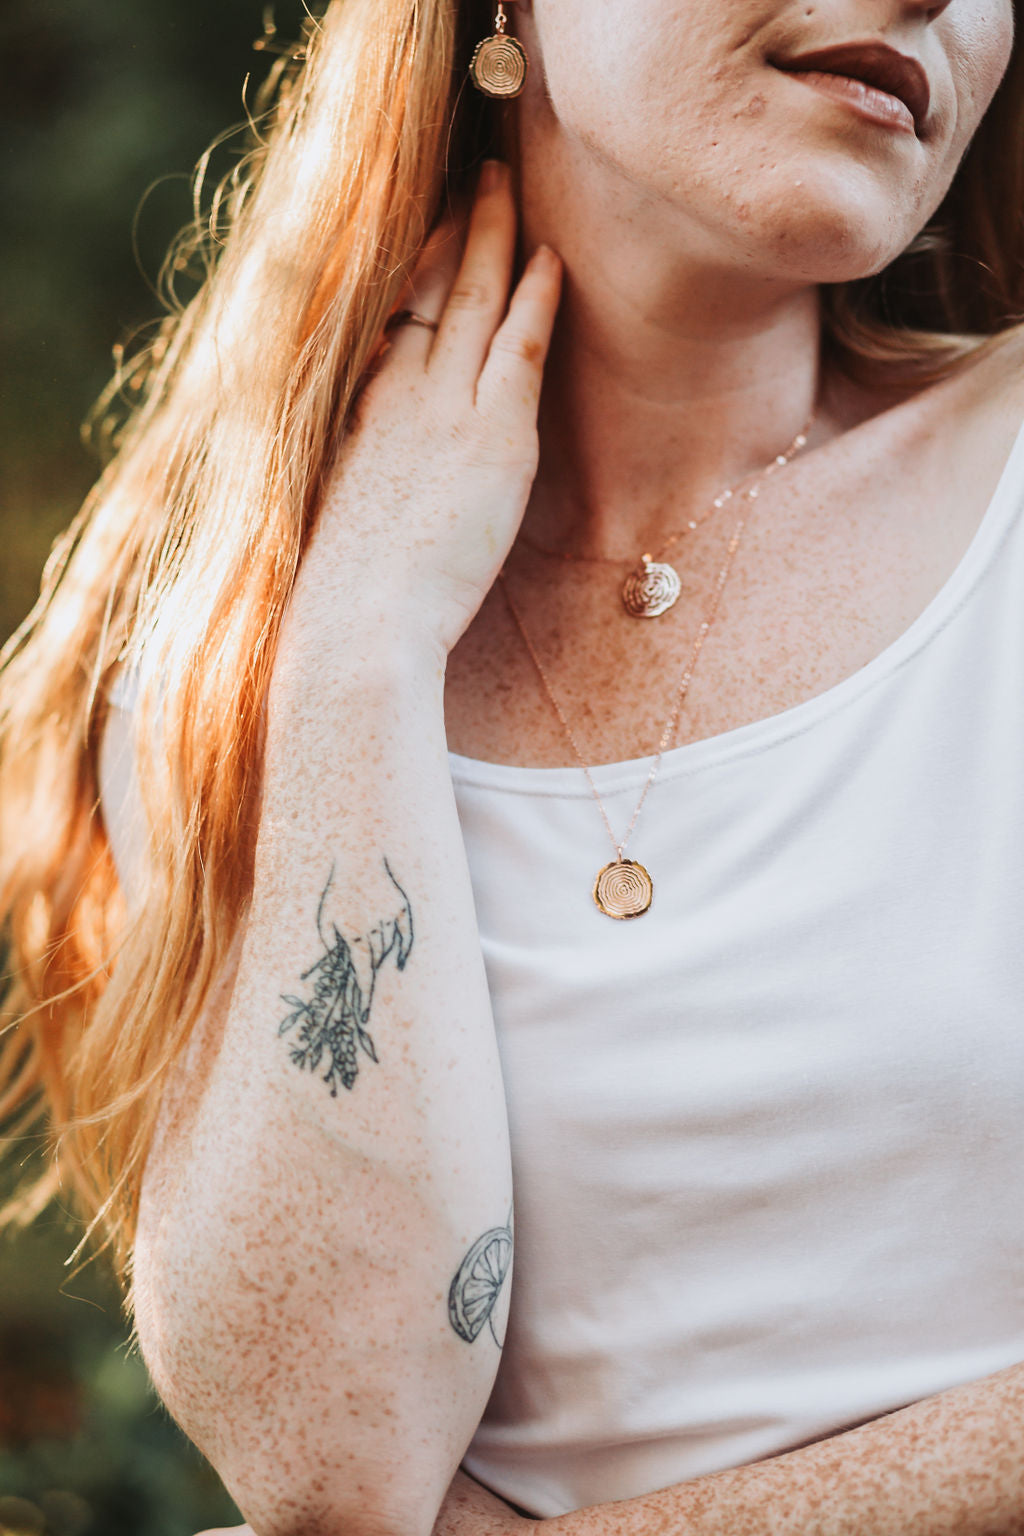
477 1284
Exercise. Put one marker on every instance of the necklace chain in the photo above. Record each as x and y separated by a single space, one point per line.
671 724
623 902
721 500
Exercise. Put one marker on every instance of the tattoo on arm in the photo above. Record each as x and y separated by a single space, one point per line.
331 1025
477 1284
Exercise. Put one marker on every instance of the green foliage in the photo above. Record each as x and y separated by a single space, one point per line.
85 1448
98 104
104 112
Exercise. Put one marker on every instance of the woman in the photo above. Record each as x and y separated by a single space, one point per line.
757 543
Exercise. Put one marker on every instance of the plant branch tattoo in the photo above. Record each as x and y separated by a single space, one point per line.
477 1284
331 1026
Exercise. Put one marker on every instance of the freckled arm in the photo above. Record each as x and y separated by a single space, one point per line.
325 1239
951 1465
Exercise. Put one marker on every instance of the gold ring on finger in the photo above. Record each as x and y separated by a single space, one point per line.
410 317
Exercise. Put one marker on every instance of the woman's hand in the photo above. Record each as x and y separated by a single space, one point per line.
434 476
470 1510
332 1180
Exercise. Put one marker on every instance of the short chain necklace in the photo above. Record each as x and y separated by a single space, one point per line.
653 585
623 887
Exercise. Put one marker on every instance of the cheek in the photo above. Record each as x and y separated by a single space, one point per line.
640 77
978 45
673 95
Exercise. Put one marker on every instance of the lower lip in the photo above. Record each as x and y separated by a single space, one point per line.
866 100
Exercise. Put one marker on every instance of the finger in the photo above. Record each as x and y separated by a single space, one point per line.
425 295
478 299
513 373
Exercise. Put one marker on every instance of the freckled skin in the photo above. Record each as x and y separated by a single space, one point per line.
685 351
296 1247
844 553
825 578
891 1476
692 65
292 1263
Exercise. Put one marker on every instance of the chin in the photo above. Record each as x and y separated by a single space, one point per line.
821 232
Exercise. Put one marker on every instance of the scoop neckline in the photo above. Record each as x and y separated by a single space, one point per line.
568 781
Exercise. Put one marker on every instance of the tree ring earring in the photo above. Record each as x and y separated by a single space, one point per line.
499 63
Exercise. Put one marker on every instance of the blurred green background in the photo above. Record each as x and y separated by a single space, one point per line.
105 106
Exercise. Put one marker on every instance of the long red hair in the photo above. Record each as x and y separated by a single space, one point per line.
181 562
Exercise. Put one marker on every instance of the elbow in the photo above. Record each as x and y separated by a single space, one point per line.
306 1350
304 1446
303 1462
320 1510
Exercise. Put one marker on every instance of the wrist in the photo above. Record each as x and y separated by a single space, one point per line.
359 656
366 609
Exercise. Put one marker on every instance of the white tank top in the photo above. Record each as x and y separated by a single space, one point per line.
768 1139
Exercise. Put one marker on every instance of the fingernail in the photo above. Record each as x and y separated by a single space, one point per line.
491 174
544 256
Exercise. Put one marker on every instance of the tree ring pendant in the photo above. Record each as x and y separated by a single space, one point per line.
623 889
651 589
499 65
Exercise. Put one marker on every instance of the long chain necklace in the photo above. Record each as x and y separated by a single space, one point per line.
653 585
624 888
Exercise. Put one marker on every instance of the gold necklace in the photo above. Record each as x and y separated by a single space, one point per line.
623 887
653 585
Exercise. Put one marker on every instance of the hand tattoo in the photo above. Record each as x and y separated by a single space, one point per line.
477 1284
332 1023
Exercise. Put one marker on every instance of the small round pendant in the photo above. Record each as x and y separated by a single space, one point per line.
623 889
498 67
651 589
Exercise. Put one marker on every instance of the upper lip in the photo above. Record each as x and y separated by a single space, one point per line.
876 64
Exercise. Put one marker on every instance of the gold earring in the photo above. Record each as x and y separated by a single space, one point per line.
499 64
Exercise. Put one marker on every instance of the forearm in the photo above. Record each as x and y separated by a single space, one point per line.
324 1242
952 1465
294 1271
947 1466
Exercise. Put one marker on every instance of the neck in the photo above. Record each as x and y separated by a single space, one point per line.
670 376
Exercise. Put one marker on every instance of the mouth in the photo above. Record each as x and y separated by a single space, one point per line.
885 85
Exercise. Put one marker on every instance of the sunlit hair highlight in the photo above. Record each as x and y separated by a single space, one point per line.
179 566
